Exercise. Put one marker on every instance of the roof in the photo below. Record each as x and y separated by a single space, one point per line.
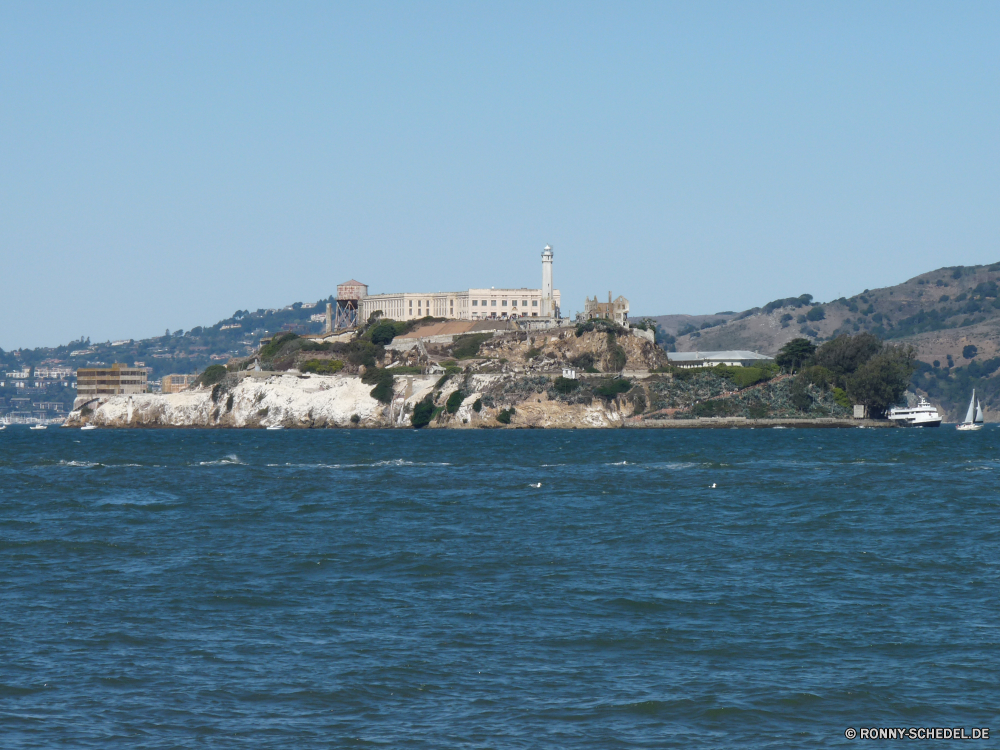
352 282
720 356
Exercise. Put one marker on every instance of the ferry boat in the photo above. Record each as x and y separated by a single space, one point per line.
921 415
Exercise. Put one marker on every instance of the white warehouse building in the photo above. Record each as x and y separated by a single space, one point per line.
470 304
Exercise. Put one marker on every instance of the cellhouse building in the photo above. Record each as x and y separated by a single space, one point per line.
471 304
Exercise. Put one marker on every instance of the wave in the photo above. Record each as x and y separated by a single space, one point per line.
231 460
80 464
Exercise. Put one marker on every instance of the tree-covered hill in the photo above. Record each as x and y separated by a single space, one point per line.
951 316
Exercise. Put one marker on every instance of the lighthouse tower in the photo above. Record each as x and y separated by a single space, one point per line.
548 304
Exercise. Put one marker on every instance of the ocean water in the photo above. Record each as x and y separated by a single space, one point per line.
390 589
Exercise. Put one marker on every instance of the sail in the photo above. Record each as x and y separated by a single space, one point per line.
979 413
972 410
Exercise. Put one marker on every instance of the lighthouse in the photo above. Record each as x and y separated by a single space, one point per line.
548 304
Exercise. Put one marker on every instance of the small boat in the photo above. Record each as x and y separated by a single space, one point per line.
3 427
921 415
38 427
276 427
89 427
973 417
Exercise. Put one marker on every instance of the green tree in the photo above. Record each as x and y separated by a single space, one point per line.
422 413
881 382
454 402
970 351
795 353
845 354
383 334
816 313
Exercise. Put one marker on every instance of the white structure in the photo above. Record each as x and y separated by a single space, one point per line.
711 359
569 373
548 303
471 304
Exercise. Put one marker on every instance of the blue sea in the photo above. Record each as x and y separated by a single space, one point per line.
404 589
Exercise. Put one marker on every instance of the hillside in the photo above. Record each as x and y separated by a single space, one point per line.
951 316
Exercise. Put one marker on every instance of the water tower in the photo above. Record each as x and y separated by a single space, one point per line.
349 296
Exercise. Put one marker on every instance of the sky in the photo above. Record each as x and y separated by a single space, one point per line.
164 165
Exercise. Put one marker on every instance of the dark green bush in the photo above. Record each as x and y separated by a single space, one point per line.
583 361
322 366
611 388
213 374
467 346
272 347
565 385
454 401
355 419
532 353
383 333
504 416
477 406
816 313
422 413
382 378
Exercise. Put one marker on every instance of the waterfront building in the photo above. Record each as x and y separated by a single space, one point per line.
176 383
119 379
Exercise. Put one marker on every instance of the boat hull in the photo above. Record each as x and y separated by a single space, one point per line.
969 427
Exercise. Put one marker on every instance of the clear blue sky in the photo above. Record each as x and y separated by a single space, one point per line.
163 165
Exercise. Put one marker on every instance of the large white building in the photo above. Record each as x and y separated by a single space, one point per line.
470 304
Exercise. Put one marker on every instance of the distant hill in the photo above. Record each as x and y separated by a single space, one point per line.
951 316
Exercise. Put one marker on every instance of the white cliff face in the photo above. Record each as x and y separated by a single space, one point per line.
293 400
289 400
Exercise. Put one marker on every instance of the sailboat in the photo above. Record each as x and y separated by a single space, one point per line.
973 417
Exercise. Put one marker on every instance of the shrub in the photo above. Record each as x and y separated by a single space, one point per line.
970 351
322 366
800 394
565 385
272 347
504 416
583 361
714 408
355 419
422 413
382 334
609 389
816 313
532 353
454 401
229 402
841 397
382 378
213 374
467 346
477 406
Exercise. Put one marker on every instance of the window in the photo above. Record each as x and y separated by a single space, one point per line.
513 303
493 303
524 303
475 303
534 303
504 303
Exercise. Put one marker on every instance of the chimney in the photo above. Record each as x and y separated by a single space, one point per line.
609 298
329 318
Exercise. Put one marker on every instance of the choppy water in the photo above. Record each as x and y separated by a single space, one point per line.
361 588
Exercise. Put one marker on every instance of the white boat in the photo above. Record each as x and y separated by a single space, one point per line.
921 415
38 427
89 427
3 426
973 417
276 427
